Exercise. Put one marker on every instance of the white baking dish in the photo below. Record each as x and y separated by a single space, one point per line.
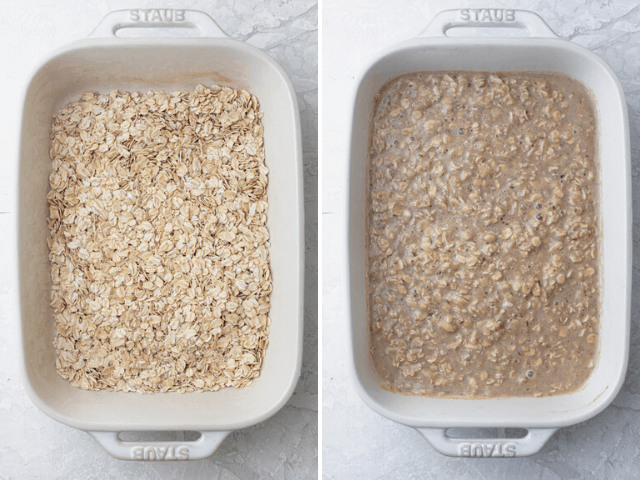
542 51
102 63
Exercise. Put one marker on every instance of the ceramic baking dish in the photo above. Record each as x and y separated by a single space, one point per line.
104 62
542 51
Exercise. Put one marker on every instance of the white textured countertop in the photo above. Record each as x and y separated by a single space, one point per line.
32 446
360 444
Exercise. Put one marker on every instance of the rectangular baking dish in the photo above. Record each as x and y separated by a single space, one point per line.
104 62
544 52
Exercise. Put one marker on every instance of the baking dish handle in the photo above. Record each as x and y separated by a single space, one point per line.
157 18
531 444
160 451
488 17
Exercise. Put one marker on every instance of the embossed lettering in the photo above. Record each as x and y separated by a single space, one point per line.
476 450
465 449
155 15
171 454
487 15
160 453
183 453
488 449
138 453
149 453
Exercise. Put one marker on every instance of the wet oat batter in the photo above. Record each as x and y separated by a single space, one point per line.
483 235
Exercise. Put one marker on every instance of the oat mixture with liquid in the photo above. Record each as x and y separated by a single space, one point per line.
483 226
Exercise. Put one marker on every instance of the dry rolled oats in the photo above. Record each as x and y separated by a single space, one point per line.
158 241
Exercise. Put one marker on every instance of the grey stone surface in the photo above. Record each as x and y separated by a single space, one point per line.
32 446
360 444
